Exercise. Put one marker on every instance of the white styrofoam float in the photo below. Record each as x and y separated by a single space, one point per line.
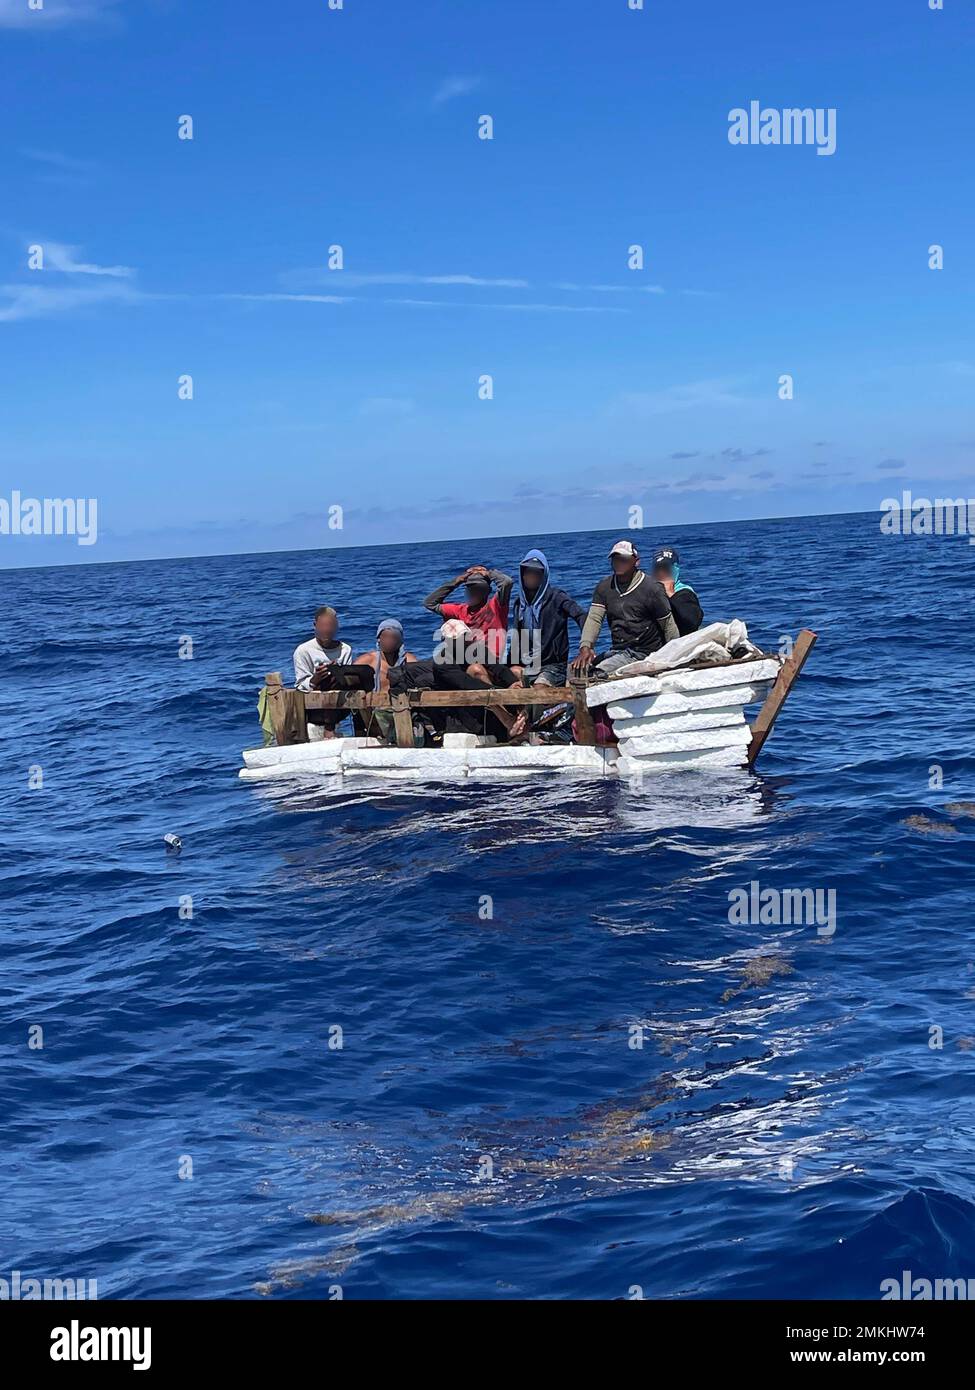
323 751
685 681
357 757
683 718
673 702
677 723
690 741
637 768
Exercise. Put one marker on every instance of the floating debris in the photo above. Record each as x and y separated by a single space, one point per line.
618 1134
173 843
924 825
961 808
758 971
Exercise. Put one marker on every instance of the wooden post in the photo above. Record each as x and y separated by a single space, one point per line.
769 712
287 711
278 706
585 724
403 721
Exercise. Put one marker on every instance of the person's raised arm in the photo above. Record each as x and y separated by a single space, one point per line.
503 583
434 600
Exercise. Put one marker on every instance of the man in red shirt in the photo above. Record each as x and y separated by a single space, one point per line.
486 614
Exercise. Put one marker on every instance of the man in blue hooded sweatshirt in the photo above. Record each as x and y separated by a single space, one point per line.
540 624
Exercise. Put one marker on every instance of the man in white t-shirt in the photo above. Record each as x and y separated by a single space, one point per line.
314 657
312 660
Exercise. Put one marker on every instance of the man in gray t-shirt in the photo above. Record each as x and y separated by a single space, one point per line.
312 660
314 657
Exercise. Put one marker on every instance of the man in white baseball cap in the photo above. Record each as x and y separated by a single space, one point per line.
639 612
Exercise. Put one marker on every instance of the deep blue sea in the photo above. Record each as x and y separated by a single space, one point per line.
790 1126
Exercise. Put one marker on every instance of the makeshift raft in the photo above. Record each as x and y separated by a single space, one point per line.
691 716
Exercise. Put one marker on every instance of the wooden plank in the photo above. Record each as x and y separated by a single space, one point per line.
403 721
348 699
769 712
442 699
585 725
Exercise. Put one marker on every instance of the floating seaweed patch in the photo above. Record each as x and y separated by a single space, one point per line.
617 1134
758 971
924 825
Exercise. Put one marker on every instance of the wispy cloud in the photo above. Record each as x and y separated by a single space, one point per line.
511 308
608 289
59 168
454 87
891 465
62 258
687 396
61 288
411 303
289 298
352 280
44 300
698 482
743 455
15 14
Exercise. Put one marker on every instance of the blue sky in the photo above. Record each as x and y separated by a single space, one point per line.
463 257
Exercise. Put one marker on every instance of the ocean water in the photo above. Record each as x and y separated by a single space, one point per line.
798 1122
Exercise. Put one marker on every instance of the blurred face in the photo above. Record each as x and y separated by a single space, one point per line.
663 572
530 579
624 566
390 642
476 594
326 628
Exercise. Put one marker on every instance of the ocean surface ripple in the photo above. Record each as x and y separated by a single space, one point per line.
790 1126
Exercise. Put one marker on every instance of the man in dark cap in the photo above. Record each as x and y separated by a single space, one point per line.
684 602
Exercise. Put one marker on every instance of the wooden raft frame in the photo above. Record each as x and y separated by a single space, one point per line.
288 706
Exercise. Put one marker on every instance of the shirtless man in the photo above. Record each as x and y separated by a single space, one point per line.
389 651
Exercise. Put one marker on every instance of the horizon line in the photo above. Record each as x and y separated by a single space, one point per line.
440 540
